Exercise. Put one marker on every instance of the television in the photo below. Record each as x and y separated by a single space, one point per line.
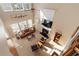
44 33
47 23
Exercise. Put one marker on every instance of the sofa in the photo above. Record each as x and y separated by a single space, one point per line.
24 33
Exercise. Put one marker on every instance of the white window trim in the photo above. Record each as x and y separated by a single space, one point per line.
11 8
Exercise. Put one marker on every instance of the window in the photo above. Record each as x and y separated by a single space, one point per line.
29 23
42 16
16 6
47 14
27 6
17 27
23 25
6 7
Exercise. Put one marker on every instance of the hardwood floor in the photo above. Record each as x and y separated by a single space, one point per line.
12 48
13 51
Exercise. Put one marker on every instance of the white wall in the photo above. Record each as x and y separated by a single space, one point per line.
66 19
8 19
4 50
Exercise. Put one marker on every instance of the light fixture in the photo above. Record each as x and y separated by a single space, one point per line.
19 16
